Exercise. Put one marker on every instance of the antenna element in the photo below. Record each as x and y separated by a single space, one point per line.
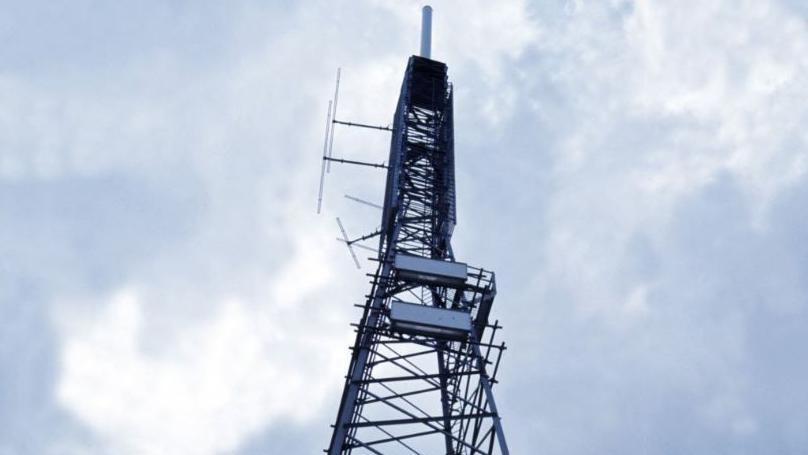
333 120
325 152
348 243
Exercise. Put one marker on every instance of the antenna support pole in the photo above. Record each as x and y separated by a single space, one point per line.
426 31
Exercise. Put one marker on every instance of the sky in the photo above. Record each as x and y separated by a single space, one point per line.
636 173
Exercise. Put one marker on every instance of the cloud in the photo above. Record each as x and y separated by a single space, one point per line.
151 219
206 388
682 114
671 140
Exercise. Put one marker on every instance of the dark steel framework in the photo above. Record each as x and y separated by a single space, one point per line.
410 392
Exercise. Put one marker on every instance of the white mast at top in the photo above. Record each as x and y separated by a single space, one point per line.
426 31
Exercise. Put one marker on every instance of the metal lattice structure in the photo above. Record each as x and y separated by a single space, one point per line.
424 361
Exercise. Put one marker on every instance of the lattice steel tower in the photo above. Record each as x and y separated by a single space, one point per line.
424 361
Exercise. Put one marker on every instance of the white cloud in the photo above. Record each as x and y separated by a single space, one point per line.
211 383
664 226
693 78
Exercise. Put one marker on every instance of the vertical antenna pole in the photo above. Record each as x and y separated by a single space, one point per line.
325 150
333 120
426 31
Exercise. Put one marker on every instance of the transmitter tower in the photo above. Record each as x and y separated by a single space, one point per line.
425 360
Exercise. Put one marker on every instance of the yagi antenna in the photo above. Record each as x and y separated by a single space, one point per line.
348 243
328 144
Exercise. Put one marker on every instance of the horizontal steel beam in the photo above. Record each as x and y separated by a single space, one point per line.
381 423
